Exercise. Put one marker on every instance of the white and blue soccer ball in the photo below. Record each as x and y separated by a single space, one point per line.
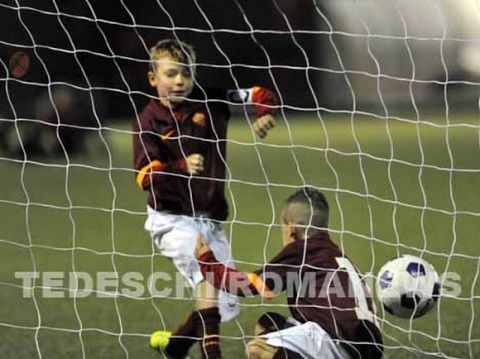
408 286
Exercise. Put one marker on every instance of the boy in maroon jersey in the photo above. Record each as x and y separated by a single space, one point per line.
179 146
333 316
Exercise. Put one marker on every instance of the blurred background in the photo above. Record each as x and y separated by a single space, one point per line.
379 110
89 58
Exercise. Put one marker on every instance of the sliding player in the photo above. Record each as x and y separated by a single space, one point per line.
179 154
332 313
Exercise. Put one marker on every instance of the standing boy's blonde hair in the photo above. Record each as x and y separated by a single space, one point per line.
177 50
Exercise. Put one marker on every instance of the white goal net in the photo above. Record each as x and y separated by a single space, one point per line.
378 108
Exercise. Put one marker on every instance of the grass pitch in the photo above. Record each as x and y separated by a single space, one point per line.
395 186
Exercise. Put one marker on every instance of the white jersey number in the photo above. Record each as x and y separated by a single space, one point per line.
362 311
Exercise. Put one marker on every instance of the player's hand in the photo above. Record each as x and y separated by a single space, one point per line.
202 246
263 124
195 164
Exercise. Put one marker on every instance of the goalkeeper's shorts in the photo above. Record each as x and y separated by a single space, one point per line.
307 339
176 237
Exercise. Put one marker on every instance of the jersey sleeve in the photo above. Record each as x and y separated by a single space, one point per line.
233 281
266 281
150 155
263 99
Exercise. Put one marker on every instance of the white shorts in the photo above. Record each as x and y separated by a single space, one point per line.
308 339
176 237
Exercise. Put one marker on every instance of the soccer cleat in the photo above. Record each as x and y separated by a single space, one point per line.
160 339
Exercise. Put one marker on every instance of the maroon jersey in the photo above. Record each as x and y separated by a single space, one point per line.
322 287
163 138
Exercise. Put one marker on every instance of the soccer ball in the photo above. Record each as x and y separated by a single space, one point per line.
408 286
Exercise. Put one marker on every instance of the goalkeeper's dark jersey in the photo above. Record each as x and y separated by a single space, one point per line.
163 138
322 287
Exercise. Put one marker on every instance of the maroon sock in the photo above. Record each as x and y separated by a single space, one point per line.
183 338
207 324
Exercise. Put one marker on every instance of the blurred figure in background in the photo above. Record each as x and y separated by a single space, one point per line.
58 127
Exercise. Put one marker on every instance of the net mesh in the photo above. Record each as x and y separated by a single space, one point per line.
378 108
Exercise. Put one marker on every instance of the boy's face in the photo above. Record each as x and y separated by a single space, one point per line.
173 81
288 230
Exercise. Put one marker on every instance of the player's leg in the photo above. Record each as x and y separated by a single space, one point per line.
208 320
176 238
307 340
214 306
211 307
258 348
201 325
270 322
228 304
171 236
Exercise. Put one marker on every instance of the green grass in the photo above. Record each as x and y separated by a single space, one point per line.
391 188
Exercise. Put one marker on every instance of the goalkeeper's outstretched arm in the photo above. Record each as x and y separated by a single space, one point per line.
242 283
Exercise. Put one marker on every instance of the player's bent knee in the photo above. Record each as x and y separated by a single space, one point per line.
270 322
259 349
